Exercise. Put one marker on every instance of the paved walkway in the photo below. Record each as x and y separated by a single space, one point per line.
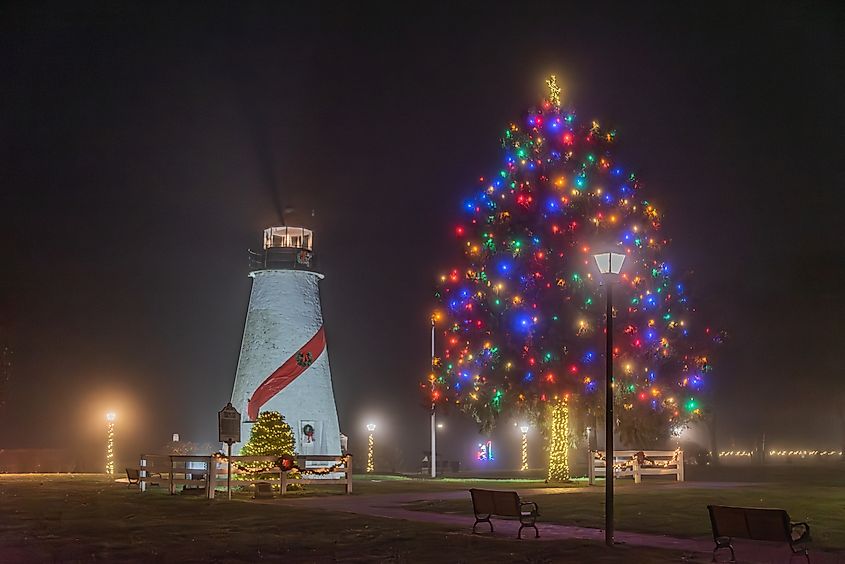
392 506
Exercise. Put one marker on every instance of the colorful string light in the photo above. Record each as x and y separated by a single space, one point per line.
522 315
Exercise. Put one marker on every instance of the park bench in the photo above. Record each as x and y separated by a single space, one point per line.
486 503
759 524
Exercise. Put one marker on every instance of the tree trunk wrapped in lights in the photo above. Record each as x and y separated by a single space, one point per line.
559 440
520 316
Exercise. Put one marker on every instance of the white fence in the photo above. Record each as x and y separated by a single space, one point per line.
207 473
638 463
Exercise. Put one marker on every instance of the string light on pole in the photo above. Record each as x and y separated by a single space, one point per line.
371 427
524 428
111 416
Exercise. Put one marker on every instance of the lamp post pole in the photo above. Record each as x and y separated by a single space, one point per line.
610 265
433 457
608 423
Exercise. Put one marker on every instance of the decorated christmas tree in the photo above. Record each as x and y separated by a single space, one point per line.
270 436
522 315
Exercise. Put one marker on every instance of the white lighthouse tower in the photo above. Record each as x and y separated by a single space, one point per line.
284 361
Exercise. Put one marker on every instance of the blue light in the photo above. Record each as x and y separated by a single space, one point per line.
453 304
588 357
469 205
608 198
504 267
650 301
651 376
650 335
523 323
552 205
528 377
616 171
464 293
591 386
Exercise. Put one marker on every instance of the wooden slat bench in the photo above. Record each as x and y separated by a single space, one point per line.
487 503
756 523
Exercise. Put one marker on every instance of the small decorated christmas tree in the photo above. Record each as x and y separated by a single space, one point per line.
270 436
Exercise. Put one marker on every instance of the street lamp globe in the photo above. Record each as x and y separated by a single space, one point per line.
609 263
524 427
111 416
371 427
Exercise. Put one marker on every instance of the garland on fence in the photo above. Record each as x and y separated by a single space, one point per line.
641 457
286 463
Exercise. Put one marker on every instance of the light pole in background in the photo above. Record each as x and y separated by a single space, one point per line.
111 416
610 264
524 428
434 317
371 427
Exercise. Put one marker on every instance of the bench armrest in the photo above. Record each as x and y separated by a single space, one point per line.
536 509
805 535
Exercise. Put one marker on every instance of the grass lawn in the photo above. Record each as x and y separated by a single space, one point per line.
86 518
812 494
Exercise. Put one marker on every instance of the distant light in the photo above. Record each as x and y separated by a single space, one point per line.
371 427
175 437
524 427
609 263
111 416
440 425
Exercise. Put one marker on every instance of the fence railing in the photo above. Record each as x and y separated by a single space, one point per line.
637 463
208 472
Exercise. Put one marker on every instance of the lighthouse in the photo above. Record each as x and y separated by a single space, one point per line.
284 360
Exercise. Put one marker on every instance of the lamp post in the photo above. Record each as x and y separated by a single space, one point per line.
524 428
370 442
111 416
433 458
610 264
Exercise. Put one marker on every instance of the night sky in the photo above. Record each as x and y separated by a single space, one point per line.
144 150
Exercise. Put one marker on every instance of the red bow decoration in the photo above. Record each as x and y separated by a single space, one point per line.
286 373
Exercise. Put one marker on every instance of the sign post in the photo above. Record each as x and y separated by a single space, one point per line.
229 432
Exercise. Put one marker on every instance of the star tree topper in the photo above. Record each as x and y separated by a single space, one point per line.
554 90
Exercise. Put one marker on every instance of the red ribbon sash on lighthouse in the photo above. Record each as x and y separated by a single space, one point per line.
286 373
